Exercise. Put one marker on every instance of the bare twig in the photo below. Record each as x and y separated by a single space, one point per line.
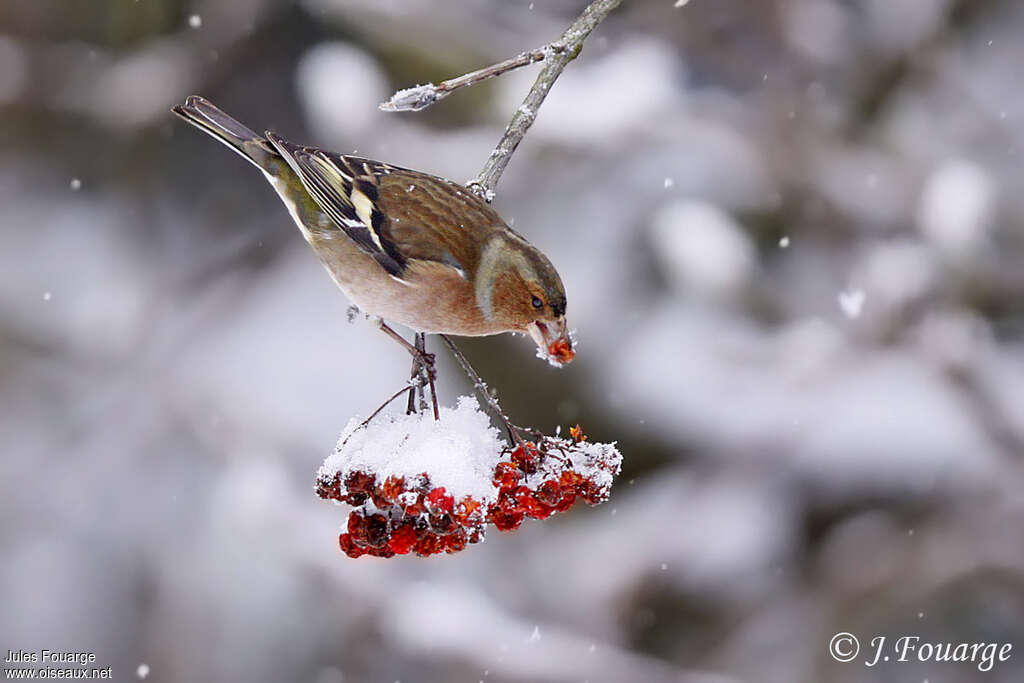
422 96
375 413
515 433
556 57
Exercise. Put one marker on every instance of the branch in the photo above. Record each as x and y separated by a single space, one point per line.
514 432
556 56
572 41
422 96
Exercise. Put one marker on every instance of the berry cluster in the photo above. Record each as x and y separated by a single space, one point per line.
539 480
403 514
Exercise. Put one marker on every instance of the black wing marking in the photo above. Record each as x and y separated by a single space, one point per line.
346 190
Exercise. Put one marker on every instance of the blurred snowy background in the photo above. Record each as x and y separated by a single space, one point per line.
792 234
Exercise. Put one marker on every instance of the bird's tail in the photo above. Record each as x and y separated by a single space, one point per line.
203 115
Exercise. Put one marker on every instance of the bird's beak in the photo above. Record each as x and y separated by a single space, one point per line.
553 342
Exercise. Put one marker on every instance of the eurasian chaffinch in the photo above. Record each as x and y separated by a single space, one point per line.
403 245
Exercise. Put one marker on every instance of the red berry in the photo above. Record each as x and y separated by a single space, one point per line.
506 521
360 482
466 509
570 479
539 510
507 501
382 551
392 487
522 494
455 542
428 544
549 492
376 530
439 501
442 524
379 500
414 506
592 493
349 547
566 502
402 539
329 487
525 457
357 527
507 474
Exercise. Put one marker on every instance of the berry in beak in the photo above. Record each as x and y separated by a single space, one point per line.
553 342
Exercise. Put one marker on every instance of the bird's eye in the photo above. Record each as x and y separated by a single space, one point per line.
537 303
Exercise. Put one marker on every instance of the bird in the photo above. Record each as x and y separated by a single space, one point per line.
406 246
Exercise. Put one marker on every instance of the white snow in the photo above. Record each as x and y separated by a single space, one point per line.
412 99
458 452
142 671
76 184
956 207
851 301
195 21
783 242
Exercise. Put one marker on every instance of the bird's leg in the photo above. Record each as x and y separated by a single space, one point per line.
417 367
415 384
422 368
426 373
426 359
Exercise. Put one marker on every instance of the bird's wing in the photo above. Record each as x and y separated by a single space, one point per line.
433 219
394 214
348 195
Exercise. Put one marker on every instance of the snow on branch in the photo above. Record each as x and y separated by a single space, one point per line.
429 486
555 55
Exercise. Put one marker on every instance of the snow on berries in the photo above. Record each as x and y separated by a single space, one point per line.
423 486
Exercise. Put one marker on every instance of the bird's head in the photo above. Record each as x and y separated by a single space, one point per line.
519 289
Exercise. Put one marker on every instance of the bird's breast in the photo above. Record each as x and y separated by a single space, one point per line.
430 296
